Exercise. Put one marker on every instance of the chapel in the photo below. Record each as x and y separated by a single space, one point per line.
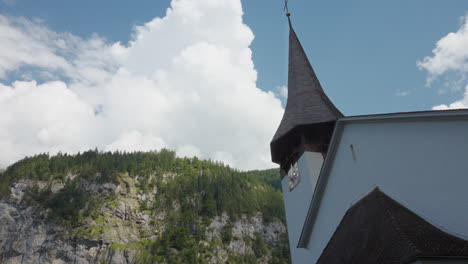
388 188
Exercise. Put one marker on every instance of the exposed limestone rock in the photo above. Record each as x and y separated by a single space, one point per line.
240 247
242 230
28 235
19 188
27 238
220 256
248 227
216 226
56 187
104 188
273 231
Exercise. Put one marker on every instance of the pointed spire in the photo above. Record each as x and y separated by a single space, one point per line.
309 116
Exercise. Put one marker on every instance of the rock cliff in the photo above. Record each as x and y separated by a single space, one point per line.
135 219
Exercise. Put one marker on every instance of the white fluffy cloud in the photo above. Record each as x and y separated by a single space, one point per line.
462 103
185 81
282 92
450 56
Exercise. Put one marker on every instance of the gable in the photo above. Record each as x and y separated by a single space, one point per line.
377 229
419 158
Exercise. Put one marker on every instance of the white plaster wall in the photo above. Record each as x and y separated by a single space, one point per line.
423 165
298 200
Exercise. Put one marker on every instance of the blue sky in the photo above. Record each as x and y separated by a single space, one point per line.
127 75
364 51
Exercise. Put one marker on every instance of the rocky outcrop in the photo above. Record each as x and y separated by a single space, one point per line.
112 234
246 227
243 230
26 237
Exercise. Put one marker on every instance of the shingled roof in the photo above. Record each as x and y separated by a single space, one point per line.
377 229
309 114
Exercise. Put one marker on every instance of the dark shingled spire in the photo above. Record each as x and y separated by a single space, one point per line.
309 116
378 229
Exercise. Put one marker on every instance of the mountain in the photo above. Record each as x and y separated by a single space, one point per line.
103 207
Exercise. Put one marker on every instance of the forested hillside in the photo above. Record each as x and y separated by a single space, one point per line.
140 208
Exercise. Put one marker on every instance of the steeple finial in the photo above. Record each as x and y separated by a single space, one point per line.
286 8
309 116
288 14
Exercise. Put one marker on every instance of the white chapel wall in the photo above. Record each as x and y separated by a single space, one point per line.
298 200
421 164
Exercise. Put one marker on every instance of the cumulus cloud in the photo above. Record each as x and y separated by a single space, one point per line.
135 141
21 46
189 151
462 103
282 92
36 118
185 81
450 54
450 57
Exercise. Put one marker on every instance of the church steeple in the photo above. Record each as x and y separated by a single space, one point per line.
309 116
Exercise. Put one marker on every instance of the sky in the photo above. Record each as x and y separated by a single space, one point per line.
208 78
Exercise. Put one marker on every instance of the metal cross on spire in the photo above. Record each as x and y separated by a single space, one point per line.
286 8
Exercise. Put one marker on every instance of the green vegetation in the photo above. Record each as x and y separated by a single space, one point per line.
217 187
191 192
92 165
